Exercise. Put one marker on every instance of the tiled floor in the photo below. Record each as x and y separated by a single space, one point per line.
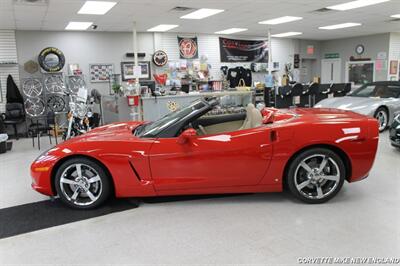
363 220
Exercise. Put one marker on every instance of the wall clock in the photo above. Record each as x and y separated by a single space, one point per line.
360 49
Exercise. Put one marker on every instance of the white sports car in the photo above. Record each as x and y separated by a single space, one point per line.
378 99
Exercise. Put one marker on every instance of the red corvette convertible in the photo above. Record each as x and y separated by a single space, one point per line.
311 152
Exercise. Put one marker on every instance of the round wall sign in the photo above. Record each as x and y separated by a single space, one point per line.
360 49
51 59
160 58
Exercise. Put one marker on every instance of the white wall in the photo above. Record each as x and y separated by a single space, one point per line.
85 48
373 44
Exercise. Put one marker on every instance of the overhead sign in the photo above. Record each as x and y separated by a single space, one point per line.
243 50
332 55
188 48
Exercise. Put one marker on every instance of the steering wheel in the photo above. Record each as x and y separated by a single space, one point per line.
202 129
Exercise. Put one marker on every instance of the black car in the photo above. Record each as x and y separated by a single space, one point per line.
395 131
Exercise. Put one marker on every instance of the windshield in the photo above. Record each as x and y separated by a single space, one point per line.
152 129
377 90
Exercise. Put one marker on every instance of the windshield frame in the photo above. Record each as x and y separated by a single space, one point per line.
384 86
176 118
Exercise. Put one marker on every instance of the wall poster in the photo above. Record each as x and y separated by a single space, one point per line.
100 72
188 48
243 50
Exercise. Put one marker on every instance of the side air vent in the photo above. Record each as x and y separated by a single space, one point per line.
181 9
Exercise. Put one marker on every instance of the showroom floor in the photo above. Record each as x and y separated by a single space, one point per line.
363 220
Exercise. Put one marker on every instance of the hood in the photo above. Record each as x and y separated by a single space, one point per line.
363 105
110 132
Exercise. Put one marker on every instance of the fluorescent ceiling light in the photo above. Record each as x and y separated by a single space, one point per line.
202 13
96 7
163 27
356 4
339 26
78 25
287 34
280 20
230 31
395 16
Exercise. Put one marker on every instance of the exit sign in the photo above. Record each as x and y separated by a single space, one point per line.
332 55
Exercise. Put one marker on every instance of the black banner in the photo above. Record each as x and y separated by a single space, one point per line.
188 48
243 50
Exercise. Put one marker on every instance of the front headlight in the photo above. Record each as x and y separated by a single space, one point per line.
45 153
397 118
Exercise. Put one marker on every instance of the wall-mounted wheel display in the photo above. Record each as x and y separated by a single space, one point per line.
34 107
32 87
75 83
51 59
56 103
54 84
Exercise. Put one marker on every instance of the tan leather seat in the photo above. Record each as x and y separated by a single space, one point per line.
253 117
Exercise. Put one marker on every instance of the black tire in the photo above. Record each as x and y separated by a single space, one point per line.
384 111
331 187
103 186
51 51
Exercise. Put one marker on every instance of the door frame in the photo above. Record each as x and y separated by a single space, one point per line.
333 60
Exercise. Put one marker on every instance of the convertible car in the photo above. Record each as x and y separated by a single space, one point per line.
311 152
378 99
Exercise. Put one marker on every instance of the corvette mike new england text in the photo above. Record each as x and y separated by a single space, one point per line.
349 260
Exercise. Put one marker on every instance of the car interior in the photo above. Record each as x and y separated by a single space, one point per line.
206 125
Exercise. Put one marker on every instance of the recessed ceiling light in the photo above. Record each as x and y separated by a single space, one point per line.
339 26
356 4
96 7
395 16
230 31
163 27
202 13
280 20
78 25
287 34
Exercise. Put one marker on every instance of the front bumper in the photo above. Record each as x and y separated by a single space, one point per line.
394 134
41 178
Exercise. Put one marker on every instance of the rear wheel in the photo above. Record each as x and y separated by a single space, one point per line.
383 118
82 183
316 175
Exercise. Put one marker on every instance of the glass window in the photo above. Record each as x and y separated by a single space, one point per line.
364 91
152 129
378 90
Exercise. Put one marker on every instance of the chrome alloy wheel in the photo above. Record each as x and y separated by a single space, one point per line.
81 184
382 118
317 176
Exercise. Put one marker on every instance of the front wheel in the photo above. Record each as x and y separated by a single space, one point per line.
316 175
82 183
383 118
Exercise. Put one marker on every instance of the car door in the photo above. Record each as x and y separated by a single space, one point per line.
239 158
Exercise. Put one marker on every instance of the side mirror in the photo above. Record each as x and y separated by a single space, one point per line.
186 135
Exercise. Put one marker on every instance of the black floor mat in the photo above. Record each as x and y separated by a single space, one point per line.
45 214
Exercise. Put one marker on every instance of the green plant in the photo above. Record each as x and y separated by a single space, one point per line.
117 88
